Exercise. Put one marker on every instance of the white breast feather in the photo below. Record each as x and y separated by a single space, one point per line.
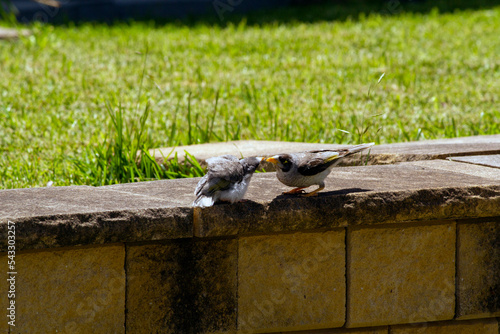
235 193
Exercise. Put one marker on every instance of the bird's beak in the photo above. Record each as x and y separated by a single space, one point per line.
261 158
274 159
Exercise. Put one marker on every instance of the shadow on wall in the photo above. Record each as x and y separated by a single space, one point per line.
223 12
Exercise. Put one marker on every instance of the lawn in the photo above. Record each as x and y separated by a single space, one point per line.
308 74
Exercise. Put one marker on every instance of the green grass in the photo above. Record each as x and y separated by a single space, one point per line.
78 101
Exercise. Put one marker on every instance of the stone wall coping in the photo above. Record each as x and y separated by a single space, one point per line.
484 160
379 154
161 210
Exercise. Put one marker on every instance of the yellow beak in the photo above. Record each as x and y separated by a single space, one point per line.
273 160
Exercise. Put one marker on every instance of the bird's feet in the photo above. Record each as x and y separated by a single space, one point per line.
313 193
294 191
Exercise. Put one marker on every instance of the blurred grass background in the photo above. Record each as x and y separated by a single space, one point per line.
79 100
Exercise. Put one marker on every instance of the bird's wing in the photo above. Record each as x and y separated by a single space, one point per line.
218 184
226 167
315 162
201 184
203 198
209 184
350 150
355 149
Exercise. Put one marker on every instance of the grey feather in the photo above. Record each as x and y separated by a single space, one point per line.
227 179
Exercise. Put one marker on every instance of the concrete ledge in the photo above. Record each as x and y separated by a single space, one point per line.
74 216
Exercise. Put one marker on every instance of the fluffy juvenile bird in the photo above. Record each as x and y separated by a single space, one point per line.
227 179
302 170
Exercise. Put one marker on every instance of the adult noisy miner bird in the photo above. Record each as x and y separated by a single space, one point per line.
304 169
227 179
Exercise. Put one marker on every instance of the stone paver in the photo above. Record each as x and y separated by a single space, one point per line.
51 201
461 168
178 192
380 154
484 160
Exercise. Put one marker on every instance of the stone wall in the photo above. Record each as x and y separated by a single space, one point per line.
412 247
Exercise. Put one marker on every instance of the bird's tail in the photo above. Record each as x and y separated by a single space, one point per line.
203 201
358 148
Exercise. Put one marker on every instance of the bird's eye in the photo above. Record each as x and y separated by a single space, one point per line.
284 161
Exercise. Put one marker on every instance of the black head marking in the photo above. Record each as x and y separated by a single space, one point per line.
285 162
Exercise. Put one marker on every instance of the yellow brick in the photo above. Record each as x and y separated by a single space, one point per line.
478 284
183 286
291 282
399 275
152 284
484 326
71 291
